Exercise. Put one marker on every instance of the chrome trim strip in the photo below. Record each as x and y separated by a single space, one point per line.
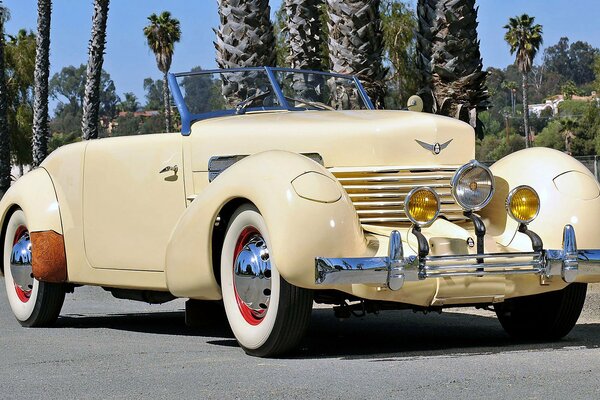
394 270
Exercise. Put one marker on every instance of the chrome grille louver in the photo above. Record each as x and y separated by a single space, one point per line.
378 192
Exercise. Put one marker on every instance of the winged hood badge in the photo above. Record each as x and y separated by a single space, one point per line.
434 148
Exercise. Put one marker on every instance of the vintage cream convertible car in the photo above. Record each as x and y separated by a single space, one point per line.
286 187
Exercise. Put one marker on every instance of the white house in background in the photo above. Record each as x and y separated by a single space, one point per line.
552 104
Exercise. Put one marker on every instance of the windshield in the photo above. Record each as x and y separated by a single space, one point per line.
205 94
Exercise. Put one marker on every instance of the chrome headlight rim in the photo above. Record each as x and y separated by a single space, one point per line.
457 175
509 200
407 201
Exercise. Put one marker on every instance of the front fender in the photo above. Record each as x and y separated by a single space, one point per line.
34 194
300 229
569 194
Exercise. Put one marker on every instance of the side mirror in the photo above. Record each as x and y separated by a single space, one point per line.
415 103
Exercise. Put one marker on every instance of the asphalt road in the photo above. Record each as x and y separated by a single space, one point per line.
108 348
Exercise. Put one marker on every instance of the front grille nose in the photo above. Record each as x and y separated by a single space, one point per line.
378 192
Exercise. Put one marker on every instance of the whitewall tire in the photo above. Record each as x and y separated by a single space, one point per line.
33 303
267 315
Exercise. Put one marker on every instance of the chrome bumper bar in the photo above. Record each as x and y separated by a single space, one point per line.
395 269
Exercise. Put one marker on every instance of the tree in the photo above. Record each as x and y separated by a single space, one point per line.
303 32
68 87
556 58
154 90
356 44
19 58
245 38
453 82
573 62
524 39
399 24
4 133
161 34
567 129
569 89
597 74
91 98
512 89
130 103
41 74
245 35
201 93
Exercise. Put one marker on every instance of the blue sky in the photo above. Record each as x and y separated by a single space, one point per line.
129 61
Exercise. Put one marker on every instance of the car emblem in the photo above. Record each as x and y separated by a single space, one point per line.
434 148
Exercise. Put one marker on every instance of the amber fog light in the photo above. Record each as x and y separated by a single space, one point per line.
523 204
422 206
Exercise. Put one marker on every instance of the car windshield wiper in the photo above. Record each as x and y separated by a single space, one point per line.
240 108
315 104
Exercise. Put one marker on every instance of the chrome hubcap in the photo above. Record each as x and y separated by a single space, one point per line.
252 278
20 266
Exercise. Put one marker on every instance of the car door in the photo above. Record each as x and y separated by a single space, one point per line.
133 195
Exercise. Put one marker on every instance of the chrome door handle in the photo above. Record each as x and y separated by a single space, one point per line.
168 168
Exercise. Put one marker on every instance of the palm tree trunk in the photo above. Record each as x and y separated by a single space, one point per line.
4 134
526 111
356 44
167 102
42 71
91 99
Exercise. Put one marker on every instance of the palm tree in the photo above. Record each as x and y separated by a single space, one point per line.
245 38
4 133
524 39
568 128
453 82
303 27
161 34
91 98
304 41
356 43
42 71
245 35
512 88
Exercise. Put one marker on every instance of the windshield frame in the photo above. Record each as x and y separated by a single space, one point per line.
187 118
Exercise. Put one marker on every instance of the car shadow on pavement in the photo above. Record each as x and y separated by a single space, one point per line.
404 335
388 336
160 323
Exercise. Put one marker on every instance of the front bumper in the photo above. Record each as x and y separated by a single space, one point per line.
395 269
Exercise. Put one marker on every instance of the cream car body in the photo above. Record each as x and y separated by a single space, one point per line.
147 212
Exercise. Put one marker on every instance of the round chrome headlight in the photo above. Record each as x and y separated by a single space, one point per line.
523 204
422 206
473 186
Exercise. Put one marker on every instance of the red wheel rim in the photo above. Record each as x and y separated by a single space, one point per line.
251 316
23 295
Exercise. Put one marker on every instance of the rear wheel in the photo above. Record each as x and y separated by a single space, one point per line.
267 315
33 303
546 316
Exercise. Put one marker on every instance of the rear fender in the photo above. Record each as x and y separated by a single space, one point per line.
300 229
34 194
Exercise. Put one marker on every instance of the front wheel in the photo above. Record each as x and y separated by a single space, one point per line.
546 316
33 303
267 315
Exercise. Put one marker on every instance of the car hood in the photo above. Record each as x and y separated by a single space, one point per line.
342 138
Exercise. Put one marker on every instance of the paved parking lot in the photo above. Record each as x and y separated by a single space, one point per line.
108 348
